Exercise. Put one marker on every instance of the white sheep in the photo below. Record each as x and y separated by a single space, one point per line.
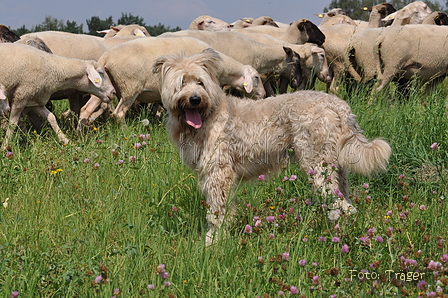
4 104
413 13
124 30
30 76
208 23
412 51
378 13
129 66
332 19
436 18
247 22
263 57
299 32
313 59
81 46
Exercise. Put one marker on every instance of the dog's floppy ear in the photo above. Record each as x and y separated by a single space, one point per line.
211 60
158 63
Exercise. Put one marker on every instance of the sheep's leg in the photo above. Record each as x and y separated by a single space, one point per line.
14 117
122 107
44 112
87 110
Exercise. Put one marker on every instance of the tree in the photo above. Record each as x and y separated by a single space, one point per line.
22 30
96 24
159 29
73 27
50 24
130 19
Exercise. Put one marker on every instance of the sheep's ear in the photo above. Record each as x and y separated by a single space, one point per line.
94 76
2 94
138 32
248 83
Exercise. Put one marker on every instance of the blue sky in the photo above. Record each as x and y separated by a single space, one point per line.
15 13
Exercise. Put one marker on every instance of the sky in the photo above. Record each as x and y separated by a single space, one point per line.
173 13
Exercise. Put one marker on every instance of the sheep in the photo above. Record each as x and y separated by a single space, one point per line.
208 23
30 76
312 59
133 59
334 11
4 104
378 13
332 19
6 35
413 13
436 18
81 46
247 22
412 51
299 32
124 30
36 42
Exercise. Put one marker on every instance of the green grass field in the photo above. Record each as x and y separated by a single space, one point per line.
99 217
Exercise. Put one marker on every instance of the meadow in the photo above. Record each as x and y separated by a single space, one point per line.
116 214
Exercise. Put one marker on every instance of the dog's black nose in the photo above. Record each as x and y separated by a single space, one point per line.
195 100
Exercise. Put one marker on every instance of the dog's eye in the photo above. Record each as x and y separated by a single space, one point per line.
184 83
200 83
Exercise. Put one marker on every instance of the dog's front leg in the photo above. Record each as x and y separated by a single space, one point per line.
216 183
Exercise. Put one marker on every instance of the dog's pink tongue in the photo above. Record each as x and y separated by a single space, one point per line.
193 118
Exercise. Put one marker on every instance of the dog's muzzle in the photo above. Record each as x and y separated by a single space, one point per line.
194 100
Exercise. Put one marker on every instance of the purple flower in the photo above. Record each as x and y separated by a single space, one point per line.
151 287
132 158
434 266
96 166
286 178
258 223
312 172
365 240
444 258
87 160
120 162
333 296
98 279
261 178
248 229
280 190
293 178
9 155
116 292
285 256
434 146
338 193
314 264
137 146
335 239
422 207
431 294
365 185
322 239
14 294
315 280
302 263
293 290
402 176
164 275
379 239
99 141
160 268
167 284
174 209
421 284
389 213
271 236
345 248
270 218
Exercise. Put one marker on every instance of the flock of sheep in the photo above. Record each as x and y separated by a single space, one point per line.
261 57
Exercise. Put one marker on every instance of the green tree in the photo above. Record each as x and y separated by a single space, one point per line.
22 30
129 19
50 24
96 24
159 29
73 27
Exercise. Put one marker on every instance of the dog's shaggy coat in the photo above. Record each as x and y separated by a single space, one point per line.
227 139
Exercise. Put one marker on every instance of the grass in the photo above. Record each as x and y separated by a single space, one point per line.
98 217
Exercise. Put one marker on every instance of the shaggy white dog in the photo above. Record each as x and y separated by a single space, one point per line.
226 139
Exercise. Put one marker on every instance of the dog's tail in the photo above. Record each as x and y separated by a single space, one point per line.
360 155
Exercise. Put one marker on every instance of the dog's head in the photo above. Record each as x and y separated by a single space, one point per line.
189 84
